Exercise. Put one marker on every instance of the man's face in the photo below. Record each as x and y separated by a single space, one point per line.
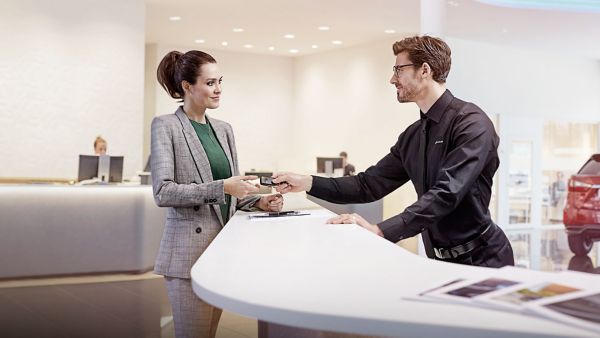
405 79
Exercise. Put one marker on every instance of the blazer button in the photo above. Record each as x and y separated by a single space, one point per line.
196 207
198 230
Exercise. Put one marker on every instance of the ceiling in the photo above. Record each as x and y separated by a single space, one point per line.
265 22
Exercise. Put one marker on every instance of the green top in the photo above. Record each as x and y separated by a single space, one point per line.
219 164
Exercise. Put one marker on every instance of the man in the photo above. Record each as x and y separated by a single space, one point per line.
348 168
450 155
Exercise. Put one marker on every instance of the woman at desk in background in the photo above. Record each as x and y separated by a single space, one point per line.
195 173
100 146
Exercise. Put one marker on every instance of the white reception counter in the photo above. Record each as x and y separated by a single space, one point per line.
300 272
61 229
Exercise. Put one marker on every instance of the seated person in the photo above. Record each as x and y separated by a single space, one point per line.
349 169
100 146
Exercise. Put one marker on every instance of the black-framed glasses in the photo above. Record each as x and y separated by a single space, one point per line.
398 67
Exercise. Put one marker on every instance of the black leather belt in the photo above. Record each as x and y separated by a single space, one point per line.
455 251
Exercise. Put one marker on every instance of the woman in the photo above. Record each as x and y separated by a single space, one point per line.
195 174
100 146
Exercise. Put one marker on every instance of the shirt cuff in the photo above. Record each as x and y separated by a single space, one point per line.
393 228
317 184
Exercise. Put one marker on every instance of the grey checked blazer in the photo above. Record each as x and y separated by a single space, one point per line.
183 182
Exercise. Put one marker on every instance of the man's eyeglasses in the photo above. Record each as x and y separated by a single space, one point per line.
398 67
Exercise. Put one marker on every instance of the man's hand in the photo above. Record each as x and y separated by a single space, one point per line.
290 182
355 219
238 187
270 203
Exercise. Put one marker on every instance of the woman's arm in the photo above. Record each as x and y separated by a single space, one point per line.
168 192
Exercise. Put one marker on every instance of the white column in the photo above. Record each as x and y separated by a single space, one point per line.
433 17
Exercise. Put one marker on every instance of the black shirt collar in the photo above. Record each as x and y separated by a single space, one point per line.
439 107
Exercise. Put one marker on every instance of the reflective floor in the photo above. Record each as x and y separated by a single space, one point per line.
101 306
547 249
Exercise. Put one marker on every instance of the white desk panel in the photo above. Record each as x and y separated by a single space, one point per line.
299 271
59 229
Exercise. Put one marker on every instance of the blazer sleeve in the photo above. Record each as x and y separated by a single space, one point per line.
168 192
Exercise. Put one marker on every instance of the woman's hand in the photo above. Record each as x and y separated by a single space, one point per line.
270 203
237 186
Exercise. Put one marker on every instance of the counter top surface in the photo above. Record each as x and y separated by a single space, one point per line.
300 271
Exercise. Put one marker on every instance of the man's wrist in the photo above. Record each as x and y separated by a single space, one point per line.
377 230
308 184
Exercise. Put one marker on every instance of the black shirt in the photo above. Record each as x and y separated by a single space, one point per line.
455 188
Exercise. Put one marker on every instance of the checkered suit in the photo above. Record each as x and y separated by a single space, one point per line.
182 181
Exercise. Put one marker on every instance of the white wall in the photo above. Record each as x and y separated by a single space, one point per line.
507 80
70 70
257 101
344 101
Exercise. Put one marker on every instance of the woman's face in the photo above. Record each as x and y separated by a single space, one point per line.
100 148
206 93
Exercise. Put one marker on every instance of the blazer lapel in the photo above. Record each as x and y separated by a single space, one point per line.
222 137
198 154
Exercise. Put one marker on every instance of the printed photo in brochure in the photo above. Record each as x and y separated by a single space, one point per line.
535 292
454 281
424 296
513 298
580 309
482 287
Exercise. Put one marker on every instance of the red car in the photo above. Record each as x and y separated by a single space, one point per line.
582 210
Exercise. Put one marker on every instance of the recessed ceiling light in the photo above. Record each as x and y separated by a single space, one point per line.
199 41
248 46
315 46
238 30
323 28
224 43
389 31
453 3
336 42
271 48
504 30
294 51
289 36
175 18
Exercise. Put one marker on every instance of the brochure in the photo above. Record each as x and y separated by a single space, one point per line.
513 298
580 309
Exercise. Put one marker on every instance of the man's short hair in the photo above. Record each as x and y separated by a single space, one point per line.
427 49
343 154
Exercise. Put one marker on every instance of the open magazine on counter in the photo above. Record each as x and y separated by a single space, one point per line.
570 297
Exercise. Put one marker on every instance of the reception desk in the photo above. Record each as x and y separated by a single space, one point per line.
301 272
61 229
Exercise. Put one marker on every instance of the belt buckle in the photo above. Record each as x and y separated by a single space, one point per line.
439 253
442 253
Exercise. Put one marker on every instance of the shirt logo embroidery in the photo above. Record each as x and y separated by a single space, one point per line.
439 142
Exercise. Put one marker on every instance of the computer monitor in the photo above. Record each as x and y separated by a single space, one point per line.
115 173
327 165
88 168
